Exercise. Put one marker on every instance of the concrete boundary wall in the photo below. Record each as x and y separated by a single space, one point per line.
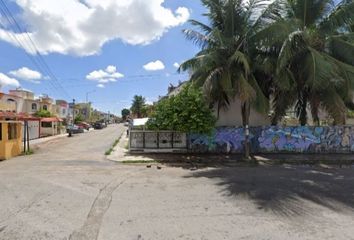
274 139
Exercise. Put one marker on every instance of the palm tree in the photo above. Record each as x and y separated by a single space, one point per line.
138 106
223 67
309 44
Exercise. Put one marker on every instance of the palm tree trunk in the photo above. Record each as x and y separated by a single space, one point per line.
245 122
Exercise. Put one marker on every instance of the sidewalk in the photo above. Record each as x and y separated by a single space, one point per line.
121 154
38 141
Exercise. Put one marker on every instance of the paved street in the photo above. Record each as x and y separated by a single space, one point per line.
67 190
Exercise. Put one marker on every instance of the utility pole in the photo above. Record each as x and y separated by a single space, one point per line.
87 94
73 111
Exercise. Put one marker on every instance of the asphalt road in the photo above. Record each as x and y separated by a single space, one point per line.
67 190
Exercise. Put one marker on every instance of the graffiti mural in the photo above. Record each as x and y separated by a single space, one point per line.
288 139
272 139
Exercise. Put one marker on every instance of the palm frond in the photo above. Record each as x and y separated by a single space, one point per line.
241 59
341 49
197 38
205 28
341 17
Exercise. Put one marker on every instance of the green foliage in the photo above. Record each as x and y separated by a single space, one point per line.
43 114
79 118
138 106
309 45
350 114
125 113
186 112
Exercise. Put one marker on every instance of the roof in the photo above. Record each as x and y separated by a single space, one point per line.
51 119
18 116
140 121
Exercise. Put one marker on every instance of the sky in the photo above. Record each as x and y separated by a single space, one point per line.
106 50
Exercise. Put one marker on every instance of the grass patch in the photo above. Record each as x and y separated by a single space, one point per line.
110 150
29 152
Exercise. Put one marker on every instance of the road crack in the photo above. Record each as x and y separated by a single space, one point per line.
90 229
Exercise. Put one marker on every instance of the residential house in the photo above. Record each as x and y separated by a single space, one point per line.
62 109
10 102
27 103
51 126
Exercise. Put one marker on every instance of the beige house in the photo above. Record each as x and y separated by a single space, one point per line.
27 103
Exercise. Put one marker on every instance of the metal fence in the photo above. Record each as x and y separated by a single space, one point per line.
153 140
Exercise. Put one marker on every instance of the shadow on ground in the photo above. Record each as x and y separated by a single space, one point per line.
284 189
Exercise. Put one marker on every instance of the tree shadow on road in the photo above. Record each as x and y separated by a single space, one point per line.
285 189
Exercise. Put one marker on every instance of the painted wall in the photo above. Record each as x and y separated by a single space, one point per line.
232 116
10 148
272 139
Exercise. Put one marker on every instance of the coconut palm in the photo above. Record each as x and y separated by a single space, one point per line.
224 67
309 44
138 106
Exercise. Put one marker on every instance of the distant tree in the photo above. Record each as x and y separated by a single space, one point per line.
125 113
186 112
138 106
79 118
43 113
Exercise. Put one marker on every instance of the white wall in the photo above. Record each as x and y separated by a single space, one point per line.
232 116
33 129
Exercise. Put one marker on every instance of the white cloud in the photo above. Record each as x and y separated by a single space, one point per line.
100 85
109 74
7 81
154 66
176 65
27 74
83 27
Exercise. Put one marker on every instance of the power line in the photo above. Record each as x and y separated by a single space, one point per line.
13 37
56 84
126 79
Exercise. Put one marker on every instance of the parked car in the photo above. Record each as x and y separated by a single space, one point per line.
84 125
98 125
74 129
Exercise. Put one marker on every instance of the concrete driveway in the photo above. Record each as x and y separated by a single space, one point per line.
67 190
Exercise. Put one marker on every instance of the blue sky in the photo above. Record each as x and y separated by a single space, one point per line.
125 45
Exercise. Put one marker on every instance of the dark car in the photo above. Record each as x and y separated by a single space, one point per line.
98 125
74 129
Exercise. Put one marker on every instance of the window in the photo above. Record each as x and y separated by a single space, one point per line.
46 124
12 131
34 106
45 107
64 112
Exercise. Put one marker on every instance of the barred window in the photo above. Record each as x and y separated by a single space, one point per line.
46 124
12 131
